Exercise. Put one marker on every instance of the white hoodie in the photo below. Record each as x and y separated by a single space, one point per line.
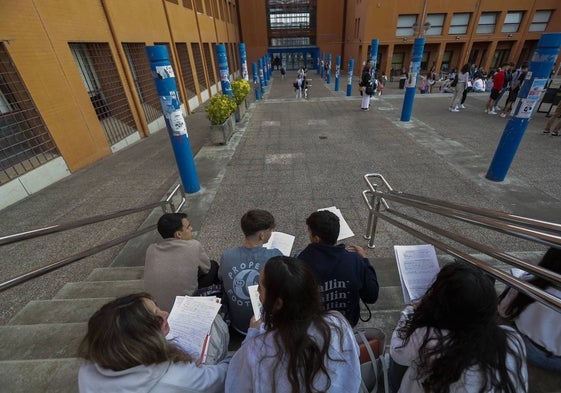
157 378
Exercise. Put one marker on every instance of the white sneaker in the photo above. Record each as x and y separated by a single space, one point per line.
492 112
486 110
502 115
462 106
454 110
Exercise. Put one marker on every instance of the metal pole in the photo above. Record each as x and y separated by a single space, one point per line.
243 59
329 68
374 56
164 77
256 85
337 72
261 77
411 86
350 80
224 70
542 63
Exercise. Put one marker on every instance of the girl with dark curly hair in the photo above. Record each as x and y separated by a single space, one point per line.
450 340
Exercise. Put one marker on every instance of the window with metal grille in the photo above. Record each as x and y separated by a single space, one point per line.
231 59
223 10
25 142
139 66
101 80
292 22
209 63
186 70
199 66
198 5
188 4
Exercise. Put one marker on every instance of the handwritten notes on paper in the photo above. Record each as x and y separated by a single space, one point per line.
190 321
417 266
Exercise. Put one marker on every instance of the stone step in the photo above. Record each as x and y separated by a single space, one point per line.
40 341
389 298
45 375
92 289
116 274
58 311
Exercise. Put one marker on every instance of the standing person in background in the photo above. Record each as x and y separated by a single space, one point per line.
506 85
366 84
450 342
295 346
461 84
551 122
517 79
498 82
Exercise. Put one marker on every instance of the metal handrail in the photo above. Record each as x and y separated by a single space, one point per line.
91 251
33 233
542 232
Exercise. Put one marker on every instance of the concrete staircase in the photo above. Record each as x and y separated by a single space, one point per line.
38 346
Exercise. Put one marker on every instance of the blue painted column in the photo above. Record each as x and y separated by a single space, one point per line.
164 77
374 56
411 85
541 65
243 60
256 85
329 68
261 77
223 70
337 72
350 80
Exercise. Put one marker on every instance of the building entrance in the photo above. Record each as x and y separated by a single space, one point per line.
294 58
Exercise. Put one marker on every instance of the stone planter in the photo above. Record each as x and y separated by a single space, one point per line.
220 134
240 111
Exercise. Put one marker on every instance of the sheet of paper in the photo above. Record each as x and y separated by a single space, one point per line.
344 228
190 321
281 241
255 303
417 267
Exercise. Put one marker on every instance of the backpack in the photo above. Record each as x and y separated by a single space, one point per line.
455 81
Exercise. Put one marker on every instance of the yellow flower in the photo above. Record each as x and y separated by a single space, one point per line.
220 108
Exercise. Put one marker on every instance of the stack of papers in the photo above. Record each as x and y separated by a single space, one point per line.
190 320
417 266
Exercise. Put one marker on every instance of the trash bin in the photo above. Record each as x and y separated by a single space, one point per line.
402 82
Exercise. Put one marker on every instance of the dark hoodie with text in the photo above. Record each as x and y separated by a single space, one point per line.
344 278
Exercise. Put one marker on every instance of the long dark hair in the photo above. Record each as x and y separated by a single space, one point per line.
124 333
462 301
551 261
290 282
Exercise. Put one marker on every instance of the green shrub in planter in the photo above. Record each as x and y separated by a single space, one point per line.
240 89
220 108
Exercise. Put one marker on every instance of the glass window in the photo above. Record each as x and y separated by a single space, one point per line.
397 63
436 22
512 22
487 23
459 24
404 25
540 21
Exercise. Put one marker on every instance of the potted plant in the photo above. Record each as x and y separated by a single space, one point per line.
219 112
240 89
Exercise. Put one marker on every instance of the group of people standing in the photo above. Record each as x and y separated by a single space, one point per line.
449 341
